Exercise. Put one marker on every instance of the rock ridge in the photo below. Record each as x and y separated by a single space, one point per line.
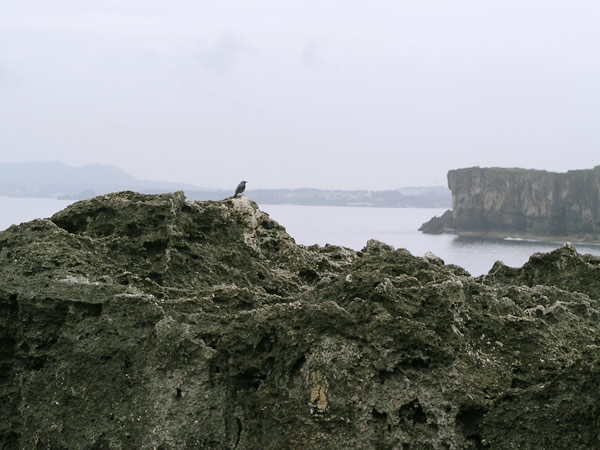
152 321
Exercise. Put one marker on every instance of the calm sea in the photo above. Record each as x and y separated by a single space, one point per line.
352 227
14 210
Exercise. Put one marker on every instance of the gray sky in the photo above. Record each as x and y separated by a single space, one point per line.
290 93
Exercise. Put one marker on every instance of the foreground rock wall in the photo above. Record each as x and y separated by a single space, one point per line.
519 202
133 321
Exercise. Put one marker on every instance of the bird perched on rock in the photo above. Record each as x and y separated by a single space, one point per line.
240 188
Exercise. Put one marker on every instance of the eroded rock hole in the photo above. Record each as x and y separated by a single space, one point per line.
469 420
88 309
250 379
297 366
38 362
379 416
156 277
155 247
273 291
133 230
384 375
264 345
7 345
308 275
413 412
419 363
238 423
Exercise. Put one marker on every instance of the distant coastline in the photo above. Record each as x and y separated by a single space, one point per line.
63 182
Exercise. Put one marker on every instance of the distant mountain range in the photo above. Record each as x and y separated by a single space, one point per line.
58 180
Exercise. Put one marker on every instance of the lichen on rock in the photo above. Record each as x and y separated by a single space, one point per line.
152 321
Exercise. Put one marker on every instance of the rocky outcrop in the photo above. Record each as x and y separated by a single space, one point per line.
135 321
525 203
439 225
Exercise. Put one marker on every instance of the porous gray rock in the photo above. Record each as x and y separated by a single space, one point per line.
138 321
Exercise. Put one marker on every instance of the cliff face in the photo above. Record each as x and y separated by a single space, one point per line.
134 321
524 202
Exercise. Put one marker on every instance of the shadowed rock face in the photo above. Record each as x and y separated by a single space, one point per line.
519 202
134 321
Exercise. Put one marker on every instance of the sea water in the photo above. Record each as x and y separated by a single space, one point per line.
14 210
352 227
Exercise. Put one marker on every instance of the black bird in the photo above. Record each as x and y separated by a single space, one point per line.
240 188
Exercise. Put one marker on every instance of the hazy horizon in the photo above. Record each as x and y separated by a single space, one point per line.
228 188
55 168
330 94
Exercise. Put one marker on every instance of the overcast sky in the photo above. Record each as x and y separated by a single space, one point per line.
290 93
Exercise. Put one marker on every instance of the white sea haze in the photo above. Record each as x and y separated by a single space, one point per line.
352 227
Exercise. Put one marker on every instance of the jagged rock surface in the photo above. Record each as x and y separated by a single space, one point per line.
134 321
518 202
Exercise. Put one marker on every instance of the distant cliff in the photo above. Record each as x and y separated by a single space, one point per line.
519 202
